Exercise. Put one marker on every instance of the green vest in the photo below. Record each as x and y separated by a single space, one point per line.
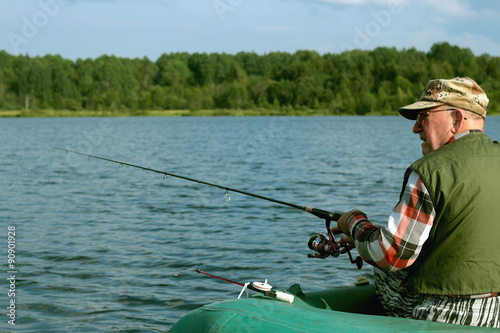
462 253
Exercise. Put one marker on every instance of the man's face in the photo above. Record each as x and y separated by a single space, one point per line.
434 126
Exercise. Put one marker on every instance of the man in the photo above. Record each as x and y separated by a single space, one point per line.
438 258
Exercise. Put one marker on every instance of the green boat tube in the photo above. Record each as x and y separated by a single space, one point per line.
343 309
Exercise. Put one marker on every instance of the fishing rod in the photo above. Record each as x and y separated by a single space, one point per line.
263 288
325 245
318 212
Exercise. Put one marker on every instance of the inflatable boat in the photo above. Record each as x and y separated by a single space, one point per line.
343 309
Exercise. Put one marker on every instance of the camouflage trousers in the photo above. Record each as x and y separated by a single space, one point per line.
399 301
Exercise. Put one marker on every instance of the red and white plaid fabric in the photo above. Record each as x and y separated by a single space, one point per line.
398 245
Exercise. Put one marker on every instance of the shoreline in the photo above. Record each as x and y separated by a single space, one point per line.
180 113
173 113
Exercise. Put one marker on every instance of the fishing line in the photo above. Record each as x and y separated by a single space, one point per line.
325 246
29 168
43 155
189 269
317 212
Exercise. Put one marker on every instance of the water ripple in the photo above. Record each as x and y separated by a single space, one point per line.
104 249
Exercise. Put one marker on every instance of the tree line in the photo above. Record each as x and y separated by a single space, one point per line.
353 82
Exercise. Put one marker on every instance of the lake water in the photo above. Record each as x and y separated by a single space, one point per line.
98 246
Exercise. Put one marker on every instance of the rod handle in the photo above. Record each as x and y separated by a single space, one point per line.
284 297
323 214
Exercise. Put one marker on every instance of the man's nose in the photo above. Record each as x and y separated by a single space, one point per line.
417 128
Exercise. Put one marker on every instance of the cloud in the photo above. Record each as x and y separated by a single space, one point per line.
343 2
477 43
276 28
453 8
164 1
364 2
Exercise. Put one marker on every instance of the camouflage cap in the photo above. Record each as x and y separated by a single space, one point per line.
463 93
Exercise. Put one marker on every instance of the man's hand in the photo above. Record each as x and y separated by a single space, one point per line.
348 243
341 227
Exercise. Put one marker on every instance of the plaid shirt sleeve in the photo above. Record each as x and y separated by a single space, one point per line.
398 245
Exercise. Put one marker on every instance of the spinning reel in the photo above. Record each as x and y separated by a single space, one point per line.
325 245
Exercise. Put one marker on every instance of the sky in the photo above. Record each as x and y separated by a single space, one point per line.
148 28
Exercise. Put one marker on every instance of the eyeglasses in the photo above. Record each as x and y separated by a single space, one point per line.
422 115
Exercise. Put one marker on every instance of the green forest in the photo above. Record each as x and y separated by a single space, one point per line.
351 83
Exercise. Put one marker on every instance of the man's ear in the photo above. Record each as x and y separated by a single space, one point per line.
459 119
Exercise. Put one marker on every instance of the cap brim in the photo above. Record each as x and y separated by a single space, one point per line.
410 111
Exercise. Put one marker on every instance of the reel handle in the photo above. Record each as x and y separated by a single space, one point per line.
333 246
331 242
358 261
